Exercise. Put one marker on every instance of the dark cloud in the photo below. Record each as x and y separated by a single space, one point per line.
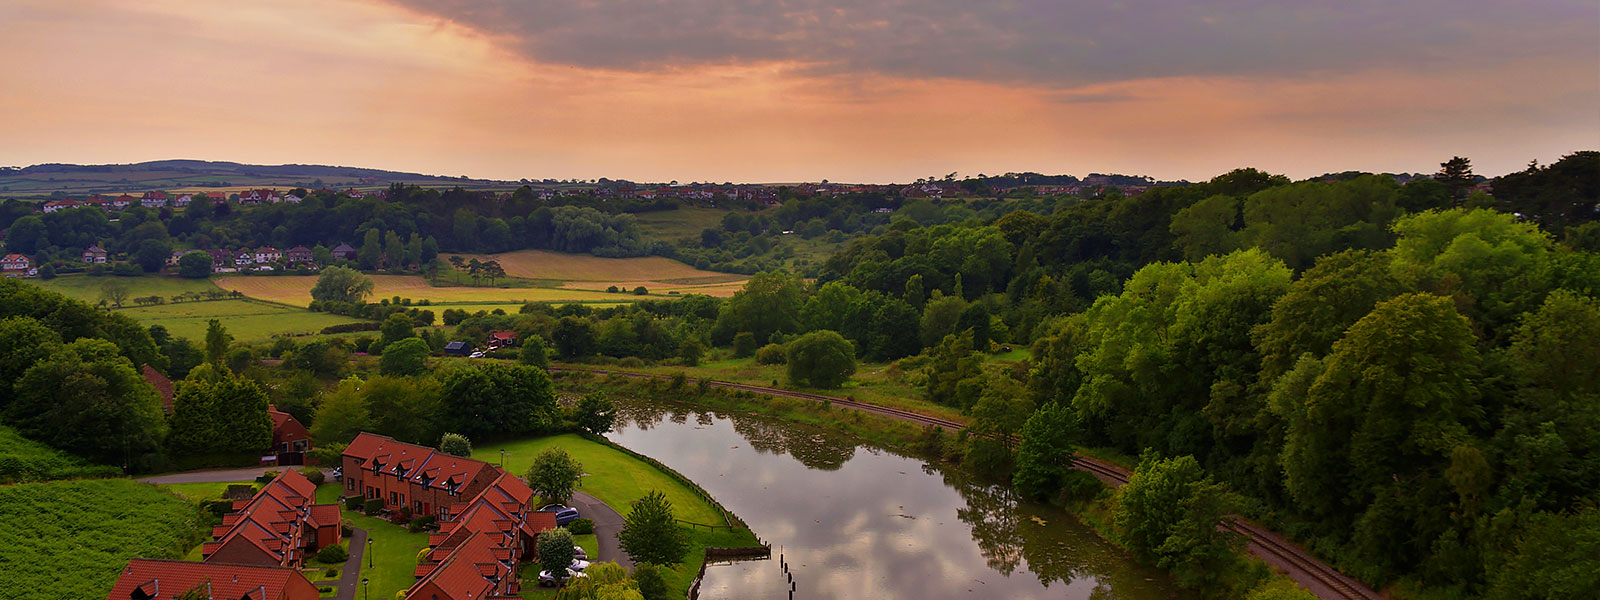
1039 42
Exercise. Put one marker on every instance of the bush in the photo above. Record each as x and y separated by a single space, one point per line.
744 344
651 585
354 502
455 444
346 528
315 475
218 507
581 527
772 354
372 506
333 554
267 477
640 291
418 524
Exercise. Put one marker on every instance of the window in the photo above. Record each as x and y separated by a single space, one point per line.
301 445
350 484
416 507
394 498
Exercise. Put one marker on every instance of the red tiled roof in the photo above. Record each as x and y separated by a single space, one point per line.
169 578
162 385
417 460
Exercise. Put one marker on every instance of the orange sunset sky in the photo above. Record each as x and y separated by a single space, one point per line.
714 90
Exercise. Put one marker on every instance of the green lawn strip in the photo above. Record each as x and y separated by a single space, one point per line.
393 552
590 544
88 289
678 577
614 477
70 539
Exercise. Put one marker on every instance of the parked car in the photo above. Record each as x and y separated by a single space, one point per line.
548 580
579 552
475 355
578 564
564 514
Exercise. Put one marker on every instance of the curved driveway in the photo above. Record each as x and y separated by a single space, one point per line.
607 523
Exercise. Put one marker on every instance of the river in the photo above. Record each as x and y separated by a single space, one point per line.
854 521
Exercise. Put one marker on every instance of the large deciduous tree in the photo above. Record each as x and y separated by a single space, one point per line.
651 533
219 412
822 359
87 399
490 399
341 284
554 474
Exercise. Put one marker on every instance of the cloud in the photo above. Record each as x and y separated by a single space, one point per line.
1049 43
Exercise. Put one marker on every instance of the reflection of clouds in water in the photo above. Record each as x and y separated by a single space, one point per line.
872 524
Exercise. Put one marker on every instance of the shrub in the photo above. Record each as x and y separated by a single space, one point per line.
640 291
372 506
330 572
346 528
651 585
418 524
218 507
267 477
581 527
455 444
315 475
333 554
354 502
772 354
744 344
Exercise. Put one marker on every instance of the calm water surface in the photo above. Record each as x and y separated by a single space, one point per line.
853 521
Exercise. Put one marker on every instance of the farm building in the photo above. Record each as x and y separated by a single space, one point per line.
458 348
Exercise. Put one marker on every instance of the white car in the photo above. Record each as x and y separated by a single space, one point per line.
475 355
547 580
578 564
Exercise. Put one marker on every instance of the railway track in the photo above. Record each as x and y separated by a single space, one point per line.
1324 581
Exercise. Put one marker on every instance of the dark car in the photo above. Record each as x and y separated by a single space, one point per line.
564 514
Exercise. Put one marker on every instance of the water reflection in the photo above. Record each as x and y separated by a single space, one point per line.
858 522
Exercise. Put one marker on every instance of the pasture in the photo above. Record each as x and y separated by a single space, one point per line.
88 289
246 320
296 290
585 272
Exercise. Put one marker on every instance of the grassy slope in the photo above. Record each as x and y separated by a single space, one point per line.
246 321
614 477
69 539
87 289
22 459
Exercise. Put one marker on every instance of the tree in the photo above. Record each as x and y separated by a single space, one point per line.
114 292
555 551
341 284
1456 174
371 252
217 340
822 359
574 337
87 399
218 412
406 408
152 255
651 585
1044 457
533 353
1168 513
342 414
596 413
489 399
395 328
769 304
194 265
23 342
455 444
554 474
28 235
691 351
405 357
651 533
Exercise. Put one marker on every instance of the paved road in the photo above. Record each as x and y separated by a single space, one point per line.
219 475
607 523
350 577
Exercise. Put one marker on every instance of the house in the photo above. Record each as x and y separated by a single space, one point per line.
298 254
292 199
354 193
266 254
123 201
182 200
344 252
97 201
149 579
154 200
279 526
55 205
502 339
15 263
220 258
243 257
479 544
458 348
217 197
290 439
94 255
162 384
408 476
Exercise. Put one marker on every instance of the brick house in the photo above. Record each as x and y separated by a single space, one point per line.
344 252
162 384
94 255
220 258
298 254
279 526
410 476
149 579
478 547
123 201
266 254
290 440
154 200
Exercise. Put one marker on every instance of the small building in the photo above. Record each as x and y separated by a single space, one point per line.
458 348
123 201
154 200
162 384
15 263
344 252
292 199
149 579
217 198
502 339
182 200
94 255
55 205
298 254
266 254
290 440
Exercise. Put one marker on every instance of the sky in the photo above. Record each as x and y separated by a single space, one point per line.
802 90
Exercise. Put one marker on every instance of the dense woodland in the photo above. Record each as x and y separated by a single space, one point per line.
1402 376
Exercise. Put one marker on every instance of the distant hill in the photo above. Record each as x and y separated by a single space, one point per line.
42 180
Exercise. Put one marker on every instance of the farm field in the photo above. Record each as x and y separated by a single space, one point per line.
69 539
296 290
87 289
583 271
686 222
246 320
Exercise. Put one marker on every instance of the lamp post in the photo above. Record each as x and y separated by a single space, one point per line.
364 593
502 458
369 553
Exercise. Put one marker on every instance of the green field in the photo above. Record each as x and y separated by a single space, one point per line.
88 289
296 290
246 320
686 222
614 477
22 459
69 539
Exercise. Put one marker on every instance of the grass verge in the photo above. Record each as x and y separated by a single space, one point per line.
614 477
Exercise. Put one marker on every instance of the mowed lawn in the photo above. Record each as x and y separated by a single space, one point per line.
296 290
612 476
70 539
245 320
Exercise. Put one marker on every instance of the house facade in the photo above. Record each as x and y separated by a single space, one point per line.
344 252
419 478
266 254
480 544
15 263
298 254
94 255
154 200
290 439
55 205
